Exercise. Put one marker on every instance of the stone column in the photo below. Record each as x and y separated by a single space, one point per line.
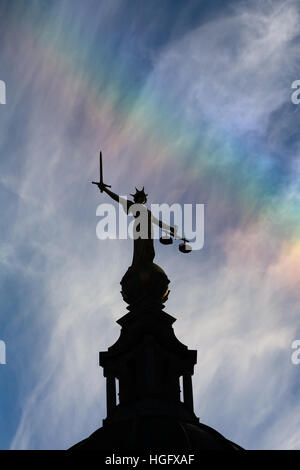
110 394
188 391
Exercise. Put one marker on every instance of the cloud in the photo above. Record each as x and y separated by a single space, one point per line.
236 69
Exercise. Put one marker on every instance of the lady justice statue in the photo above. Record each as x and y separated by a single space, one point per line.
143 277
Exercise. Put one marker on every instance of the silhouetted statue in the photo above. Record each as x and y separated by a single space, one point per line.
143 235
143 251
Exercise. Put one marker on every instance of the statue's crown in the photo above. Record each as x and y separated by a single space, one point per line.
140 194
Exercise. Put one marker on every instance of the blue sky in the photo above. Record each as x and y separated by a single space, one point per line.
192 100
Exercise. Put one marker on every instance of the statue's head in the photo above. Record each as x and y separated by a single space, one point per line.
140 197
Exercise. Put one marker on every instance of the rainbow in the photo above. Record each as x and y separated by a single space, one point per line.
154 121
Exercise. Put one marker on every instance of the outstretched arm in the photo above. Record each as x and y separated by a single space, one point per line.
162 225
124 202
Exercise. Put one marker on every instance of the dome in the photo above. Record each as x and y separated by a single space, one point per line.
156 433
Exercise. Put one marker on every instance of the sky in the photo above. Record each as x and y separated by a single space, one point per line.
191 99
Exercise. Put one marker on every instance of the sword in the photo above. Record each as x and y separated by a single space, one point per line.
101 175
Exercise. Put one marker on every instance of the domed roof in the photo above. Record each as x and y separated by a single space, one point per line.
155 433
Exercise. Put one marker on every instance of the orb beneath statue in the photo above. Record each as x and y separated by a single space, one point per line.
147 280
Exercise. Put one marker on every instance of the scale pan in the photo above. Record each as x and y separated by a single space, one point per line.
166 240
184 248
